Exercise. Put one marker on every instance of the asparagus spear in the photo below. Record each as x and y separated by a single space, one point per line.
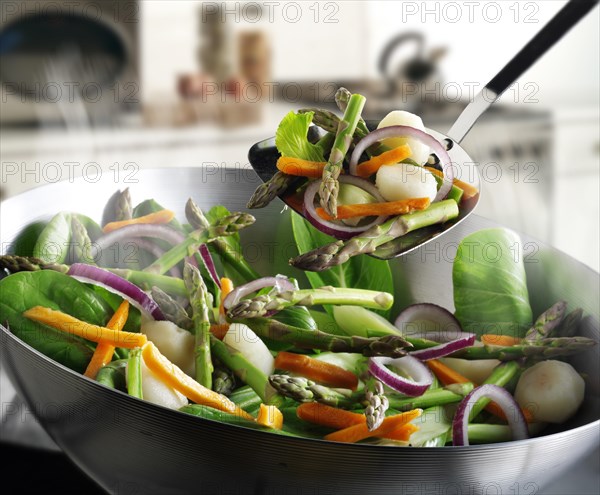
171 309
389 345
82 243
301 389
198 294
501 375
223 380
329 189
198 220
543 349
123 206
327 120
268 191
228 225
342 99
546 323
274 301
245 371
339 252
376 404
134 373
569 325
13 264
432 397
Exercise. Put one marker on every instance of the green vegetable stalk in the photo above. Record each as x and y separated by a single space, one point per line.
198 294
431 398
268 191
134 373
546 323
501 375
302 389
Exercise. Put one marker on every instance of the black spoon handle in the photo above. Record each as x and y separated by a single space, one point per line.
558 26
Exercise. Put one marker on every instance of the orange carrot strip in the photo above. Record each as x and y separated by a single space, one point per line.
303 168
332 417
319 371
226 288
503 340
67 323
162 216
469 191
270 416
375 209
172 376
104 351
447 376
219 330
391 157
356 433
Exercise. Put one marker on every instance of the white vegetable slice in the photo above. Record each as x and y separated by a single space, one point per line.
405 181
245 341
476 370
176 344
420 151
551 390
155 391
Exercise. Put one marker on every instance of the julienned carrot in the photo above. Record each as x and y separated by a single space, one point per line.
104 351
502 340
270 416
448 376
469 191
375 209
67 323
299 167
162 216
403 433
172 376
219 330
226 288
319 371
391 157
359 432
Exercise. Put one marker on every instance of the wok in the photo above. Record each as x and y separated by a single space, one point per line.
130 446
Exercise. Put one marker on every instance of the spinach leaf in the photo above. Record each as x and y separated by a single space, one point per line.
24 290
134 320
113 375
26 239
151 206
53 244
291 138
361 272
490 287
93 229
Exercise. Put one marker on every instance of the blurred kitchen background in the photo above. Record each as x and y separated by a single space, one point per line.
104 87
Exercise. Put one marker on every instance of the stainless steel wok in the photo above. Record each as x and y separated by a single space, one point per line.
130 446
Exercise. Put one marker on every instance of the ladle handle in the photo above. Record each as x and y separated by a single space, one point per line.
558 26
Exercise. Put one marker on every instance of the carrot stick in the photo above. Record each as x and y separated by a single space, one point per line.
502 340
469 191
319 371
332 417
67 323
219 330
447 376
270 416
172 376
104 351
391 157
356 433
375 209
226 288
162 216
299 167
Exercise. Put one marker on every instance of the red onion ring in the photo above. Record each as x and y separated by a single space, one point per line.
438 351
340 231
505 401
279 282
447 327
411 366
209 264
164 232
103 278
401 131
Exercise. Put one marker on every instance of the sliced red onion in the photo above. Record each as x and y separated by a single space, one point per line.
466 340
394 131
103 278
337 230
279 282
446 326
163 232
505 401
209 264
419 382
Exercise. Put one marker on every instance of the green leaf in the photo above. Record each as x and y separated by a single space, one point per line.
291 138
53 244
490 287
26 239
326 323
151 206
24 290
360 272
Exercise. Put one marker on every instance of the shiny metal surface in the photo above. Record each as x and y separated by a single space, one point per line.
129 446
